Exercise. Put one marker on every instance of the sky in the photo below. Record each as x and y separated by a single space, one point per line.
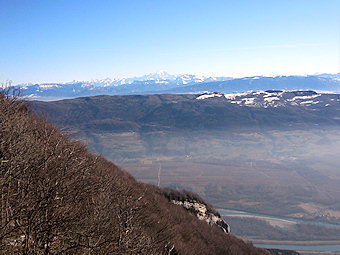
65 40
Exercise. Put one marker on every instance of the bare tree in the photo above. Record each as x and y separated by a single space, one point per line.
57 198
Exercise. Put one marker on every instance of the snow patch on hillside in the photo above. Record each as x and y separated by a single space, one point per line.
232 96
248 101
209 95
270 99
304 97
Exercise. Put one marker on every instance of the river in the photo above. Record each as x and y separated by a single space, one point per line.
230 212
283 221
295 247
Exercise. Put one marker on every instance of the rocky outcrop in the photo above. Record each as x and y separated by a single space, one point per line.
200 210
197 206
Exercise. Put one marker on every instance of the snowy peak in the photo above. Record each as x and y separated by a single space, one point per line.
329 76
179 79
165 83
158 77
161 75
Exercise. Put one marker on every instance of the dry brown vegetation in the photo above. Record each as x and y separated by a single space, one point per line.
57 198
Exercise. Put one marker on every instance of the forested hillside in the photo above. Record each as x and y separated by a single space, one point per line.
57 198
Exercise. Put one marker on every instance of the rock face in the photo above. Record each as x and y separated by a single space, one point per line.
196 205
201 211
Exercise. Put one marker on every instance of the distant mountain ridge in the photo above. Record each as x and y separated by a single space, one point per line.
158 77
210 110
162 82
152 82
258 83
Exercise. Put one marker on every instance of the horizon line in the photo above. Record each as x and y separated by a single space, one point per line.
136 77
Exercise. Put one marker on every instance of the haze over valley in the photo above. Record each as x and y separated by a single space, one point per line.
268 152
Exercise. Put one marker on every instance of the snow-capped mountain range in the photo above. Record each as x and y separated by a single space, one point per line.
163 82
160 77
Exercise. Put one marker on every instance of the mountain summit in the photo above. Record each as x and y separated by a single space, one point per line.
163 82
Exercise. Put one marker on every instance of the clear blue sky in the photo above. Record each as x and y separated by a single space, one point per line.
51 41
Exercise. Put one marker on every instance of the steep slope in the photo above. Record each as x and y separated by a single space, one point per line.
58 198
